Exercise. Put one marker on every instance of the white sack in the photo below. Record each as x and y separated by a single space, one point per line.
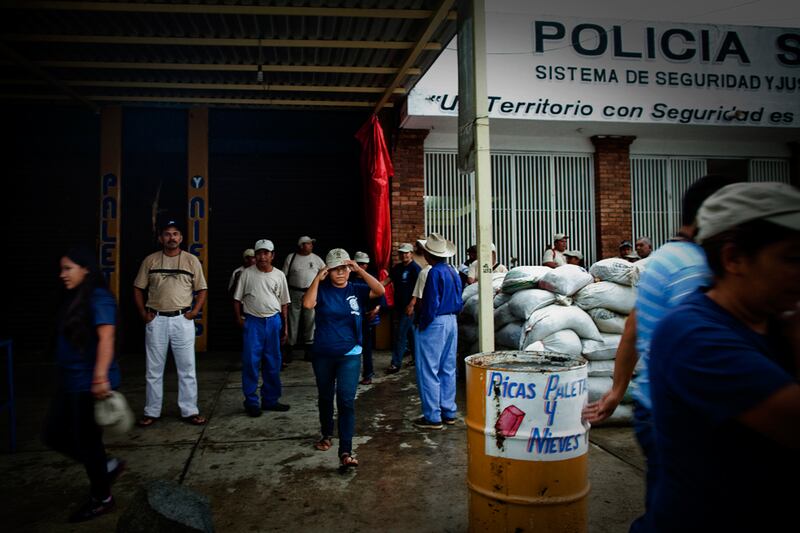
613 296
607 321
598 387
503 316
471 290
508 336
614 269
566 280
601 368
500 299
565 341
638 269
553 318
523 277
601 350
524 303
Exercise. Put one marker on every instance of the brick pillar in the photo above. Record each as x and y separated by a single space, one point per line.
612 185
408 210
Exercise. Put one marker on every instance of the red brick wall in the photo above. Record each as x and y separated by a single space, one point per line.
612 171
408 216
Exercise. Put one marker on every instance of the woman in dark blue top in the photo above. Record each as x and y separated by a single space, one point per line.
86 371
338 343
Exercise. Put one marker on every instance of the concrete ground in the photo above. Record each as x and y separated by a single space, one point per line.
262 474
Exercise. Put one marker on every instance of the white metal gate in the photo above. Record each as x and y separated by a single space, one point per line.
533 196
769 170
657 187
658 184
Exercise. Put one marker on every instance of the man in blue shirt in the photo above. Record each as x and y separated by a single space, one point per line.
403 277
674 271
723 381
437 336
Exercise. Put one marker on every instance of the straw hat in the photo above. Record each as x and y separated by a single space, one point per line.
438 246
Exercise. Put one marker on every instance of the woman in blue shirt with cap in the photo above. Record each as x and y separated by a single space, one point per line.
86 372
338 343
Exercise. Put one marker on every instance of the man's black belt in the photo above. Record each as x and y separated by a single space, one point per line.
170 313
298 288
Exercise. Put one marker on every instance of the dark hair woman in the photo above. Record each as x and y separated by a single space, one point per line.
86 371
338 344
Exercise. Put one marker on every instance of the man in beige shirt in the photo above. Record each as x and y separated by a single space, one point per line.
260 303
168 278
300 269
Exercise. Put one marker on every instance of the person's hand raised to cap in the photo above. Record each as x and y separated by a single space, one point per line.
323 273
354 267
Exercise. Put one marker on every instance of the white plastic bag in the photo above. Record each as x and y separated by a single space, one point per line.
608 321
613 296
566 280
524 303
553 318
614 269
523 277
601 350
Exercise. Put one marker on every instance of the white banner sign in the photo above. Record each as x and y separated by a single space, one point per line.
555 68
535 416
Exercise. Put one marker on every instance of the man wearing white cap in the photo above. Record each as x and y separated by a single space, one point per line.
437 336
574 257
724 372
248 259
554 257
301 268
472 274
260 303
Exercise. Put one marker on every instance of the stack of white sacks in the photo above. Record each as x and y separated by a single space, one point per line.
564 310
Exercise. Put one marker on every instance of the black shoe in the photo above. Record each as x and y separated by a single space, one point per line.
277 406
393 369
449 421
424 423
92 509
252 410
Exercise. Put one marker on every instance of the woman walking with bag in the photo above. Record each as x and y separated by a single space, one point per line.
338 343
86 372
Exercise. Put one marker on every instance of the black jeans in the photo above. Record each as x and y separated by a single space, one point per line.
71 430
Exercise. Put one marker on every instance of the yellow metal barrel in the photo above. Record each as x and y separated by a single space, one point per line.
527 468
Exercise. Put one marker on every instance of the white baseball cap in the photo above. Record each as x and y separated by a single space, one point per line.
249 253
574 253
336 258
735 204
405 247
304 239
264 244
361 257
559 236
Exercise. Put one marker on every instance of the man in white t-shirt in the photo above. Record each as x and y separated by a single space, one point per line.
472 274
260 303
301 268
248 260
554 257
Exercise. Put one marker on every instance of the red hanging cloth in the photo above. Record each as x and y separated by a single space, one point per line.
377 168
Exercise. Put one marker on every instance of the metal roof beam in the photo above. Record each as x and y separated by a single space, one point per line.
198 100
202 41
329 69
41 74
421 44
213 86
128 7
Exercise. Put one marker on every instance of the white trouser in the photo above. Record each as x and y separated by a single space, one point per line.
299 317
162 332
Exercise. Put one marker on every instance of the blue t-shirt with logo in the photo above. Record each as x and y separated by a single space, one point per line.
76 363
404 277
337 318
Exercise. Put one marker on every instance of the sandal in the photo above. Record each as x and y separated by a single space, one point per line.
195 420
348 461
324 444
146 421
